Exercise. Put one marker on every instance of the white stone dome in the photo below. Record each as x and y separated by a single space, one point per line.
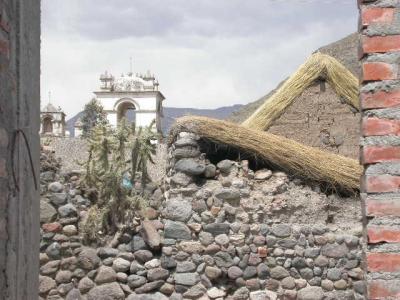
131 83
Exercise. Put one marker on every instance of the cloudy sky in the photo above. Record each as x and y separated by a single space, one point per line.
205 53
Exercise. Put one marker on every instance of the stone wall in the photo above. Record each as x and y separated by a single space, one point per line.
74 151
19 112
218 231
380 151
320 119
71 151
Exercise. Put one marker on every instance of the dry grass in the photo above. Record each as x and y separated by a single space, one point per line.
291 156
317 66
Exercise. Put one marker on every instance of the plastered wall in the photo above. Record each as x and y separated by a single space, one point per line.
19 116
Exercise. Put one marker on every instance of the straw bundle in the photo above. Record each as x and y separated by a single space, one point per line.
291 156
317 66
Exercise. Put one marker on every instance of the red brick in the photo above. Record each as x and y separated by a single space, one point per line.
381 44
377 234
383 262
378 71
380 99
381 184
376 126
384 289
374 154
377 15
375 207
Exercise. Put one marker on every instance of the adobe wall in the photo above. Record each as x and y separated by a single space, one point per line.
380 151
318 118
19 111
212 231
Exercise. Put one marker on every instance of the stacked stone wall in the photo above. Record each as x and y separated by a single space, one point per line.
212 232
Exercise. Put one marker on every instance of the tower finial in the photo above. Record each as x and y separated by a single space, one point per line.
131 65
49 97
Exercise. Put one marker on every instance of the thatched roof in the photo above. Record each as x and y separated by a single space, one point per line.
317 66
344 50
293 157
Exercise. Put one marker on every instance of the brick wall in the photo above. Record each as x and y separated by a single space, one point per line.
380 144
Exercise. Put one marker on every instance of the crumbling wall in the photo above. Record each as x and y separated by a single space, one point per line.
380 152
19 115
212 231
320 119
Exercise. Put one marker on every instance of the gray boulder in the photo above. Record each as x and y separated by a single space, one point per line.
58 198
225 166
109 291
88 259
228 194
334 250
190 166
47 212
176 230
281 230
188 279
177 210
67 210
55 187
74 294
181 179
46 284
279 272
155 296
105 275
310 293
217 228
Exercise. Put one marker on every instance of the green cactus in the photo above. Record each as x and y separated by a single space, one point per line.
107 169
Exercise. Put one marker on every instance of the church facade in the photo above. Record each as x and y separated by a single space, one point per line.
134 97
52 121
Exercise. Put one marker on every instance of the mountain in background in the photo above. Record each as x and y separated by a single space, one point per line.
173 113
344 50
69 124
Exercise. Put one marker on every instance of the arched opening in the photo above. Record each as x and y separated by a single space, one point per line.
47 125
126 110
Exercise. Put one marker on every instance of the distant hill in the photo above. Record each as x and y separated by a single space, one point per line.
344 50
173 113
70 123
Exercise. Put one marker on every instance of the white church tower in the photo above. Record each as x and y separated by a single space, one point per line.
135 97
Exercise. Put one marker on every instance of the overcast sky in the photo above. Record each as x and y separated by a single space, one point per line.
205 53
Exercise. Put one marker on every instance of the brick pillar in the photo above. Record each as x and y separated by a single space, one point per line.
380 144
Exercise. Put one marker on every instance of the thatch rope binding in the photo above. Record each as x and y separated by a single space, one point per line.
293 157
318 65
